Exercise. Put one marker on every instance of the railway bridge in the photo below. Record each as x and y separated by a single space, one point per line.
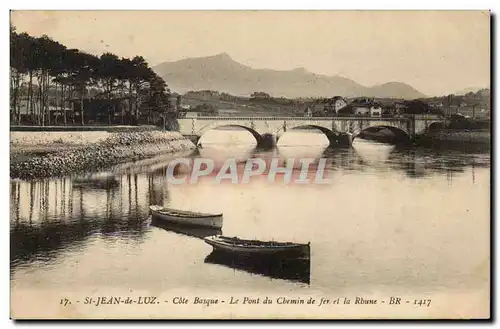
338 130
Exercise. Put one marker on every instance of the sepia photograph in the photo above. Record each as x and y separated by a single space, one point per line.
250 164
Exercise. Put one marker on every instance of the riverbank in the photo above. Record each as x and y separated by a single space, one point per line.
40 154
456 136
441 137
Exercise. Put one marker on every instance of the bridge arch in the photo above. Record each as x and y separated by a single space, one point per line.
333 137
255 134
400 135
435 126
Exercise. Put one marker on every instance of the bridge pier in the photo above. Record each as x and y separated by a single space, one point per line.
193 138
345 139
267 141
340 140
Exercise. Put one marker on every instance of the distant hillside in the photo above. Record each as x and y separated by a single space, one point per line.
469 90
220 72
394 90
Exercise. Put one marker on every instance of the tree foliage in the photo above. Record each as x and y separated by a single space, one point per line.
260 94
44 72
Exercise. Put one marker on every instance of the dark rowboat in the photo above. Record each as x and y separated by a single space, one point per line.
258 248
184 217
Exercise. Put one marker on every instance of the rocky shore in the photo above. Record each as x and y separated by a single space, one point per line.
40 154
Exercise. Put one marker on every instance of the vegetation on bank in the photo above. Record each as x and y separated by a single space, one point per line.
472 104
460 122
50 83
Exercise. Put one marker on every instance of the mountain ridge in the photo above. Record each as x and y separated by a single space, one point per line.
221 73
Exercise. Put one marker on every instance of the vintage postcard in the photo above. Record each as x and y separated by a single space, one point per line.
250 164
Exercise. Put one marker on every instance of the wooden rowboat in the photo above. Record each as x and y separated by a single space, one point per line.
184 217
258 248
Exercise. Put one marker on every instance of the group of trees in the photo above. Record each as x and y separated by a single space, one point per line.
419 107
46 75
260 95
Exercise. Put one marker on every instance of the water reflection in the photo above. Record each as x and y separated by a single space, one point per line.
298 152
96 181
413 162
220 153
297 269
191 231
52 216
365 156
150 164
372 154
423 163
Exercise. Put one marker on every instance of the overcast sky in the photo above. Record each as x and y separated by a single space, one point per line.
435 52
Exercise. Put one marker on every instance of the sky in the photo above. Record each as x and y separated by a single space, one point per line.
436 52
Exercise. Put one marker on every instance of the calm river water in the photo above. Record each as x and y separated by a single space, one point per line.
409 222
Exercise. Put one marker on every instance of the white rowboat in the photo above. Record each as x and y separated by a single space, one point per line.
184 217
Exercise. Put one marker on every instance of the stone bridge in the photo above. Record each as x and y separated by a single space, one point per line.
338 130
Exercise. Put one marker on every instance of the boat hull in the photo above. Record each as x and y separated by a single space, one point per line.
295 250
212 221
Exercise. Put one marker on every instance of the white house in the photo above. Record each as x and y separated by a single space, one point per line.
361 110
367 109
375 111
